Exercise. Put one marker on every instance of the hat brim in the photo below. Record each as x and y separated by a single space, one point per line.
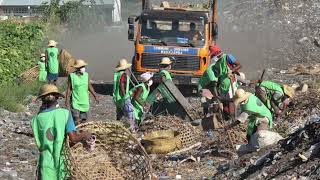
56 93
166 63
239 100
79 66
52 44
123 67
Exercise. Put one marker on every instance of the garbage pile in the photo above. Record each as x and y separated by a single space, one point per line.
295 21
294 157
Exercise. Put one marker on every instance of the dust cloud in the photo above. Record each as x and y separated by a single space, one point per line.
103 49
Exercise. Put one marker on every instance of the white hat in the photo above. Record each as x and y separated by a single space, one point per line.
122 65
52 43
146 76
166 61
42 55
242 75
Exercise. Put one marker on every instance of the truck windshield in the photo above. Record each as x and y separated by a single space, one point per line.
178 33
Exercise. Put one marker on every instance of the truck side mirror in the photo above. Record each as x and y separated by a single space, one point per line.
214 31
131 21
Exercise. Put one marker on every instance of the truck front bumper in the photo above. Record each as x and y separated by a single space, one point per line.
178 79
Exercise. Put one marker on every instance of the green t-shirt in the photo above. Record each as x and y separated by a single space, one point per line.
80 91
53 63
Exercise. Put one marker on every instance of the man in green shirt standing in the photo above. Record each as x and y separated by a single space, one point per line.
165 66
42 68
50 128
79 86
121 85
52 62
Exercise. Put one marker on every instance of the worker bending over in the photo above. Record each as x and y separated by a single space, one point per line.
275 96
207 88
226 68
259 121
50 127
135 104
78 89
121 85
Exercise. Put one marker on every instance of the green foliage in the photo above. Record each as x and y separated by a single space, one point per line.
13 96
76 15
19 48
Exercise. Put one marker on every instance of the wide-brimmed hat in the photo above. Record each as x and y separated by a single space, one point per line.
49 89
122 65
52 43
240 96
166 61
288 90
146 76
79 63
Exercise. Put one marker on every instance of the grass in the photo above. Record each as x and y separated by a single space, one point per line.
13 96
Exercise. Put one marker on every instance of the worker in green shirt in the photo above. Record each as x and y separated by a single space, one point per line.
274 95
252 109
259 119
208 88
121 85
42 68
50 127
135 104
79 86
52 62
165 66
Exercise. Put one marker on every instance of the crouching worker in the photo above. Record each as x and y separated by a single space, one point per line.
79 86
275 96
50 128
135 104
121 82
228 85
259 122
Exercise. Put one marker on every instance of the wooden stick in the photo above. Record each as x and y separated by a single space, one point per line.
185 149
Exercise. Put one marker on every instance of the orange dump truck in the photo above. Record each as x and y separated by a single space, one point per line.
181 33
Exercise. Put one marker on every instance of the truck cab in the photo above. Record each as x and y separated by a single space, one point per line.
182 34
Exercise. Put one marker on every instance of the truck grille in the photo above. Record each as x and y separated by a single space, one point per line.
182 63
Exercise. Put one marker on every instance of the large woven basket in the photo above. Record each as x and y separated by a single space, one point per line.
117 155
30 75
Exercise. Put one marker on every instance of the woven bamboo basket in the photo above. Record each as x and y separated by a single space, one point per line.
161 142
116 155
30 75
65 63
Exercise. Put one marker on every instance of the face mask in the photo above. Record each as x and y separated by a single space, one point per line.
83 69
150 82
